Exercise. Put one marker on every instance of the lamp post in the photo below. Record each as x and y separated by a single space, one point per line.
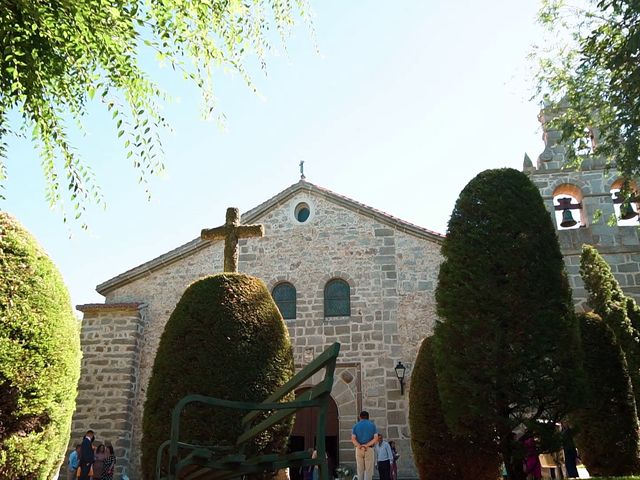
400 371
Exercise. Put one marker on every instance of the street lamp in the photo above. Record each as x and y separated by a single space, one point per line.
400 371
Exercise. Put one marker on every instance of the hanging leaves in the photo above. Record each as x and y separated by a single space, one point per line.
57 56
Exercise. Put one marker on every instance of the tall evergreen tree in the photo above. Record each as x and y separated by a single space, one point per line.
438 453
595 69
609 417
618 311
507 346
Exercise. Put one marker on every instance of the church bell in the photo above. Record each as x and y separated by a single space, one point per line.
567 219
627 212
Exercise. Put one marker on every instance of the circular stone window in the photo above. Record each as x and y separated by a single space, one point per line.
302 212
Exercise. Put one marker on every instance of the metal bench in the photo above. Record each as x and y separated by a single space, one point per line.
180 460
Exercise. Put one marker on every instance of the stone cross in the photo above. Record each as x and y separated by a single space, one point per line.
230 232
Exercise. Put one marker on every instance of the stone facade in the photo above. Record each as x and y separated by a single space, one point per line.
391 267
111 337
618 242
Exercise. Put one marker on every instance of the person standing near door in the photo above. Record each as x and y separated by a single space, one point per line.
364 436
384 457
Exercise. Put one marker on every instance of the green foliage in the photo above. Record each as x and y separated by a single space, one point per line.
609 417
39 357
438 453
59 56
590 61
225 339
618 311
507 346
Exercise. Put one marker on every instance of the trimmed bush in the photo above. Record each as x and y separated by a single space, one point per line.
437 453
608 434
39 358
618 311
507 347
225 339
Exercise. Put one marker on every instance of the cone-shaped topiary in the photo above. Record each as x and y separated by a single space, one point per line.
618 311
437 453
39 358
225 339
507 347
608 435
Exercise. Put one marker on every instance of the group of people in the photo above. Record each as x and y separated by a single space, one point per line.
88 461
565 459
371 449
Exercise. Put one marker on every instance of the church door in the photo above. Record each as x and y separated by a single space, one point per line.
304 433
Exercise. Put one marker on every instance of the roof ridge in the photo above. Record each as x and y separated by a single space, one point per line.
251 215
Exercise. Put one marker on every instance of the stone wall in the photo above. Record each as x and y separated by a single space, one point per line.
111 335
392 275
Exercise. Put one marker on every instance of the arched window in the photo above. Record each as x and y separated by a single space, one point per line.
284 294
626 210
337 298
567 202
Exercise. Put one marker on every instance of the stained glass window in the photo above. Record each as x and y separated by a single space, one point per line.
284 294
337 299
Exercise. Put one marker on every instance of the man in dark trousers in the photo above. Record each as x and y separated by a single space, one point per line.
86 455
384 456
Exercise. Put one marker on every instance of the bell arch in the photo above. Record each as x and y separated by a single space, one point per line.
568 207
624 195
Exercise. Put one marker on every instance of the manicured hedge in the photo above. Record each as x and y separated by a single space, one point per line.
608 434
437 453
224 339
507 344
39 357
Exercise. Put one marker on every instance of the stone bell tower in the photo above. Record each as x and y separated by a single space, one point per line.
574 198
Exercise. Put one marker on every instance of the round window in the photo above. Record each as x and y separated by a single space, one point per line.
302 212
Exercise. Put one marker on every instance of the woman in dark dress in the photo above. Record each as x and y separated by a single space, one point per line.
109 464
98 463
394 465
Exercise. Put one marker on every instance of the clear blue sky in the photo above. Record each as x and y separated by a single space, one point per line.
406 102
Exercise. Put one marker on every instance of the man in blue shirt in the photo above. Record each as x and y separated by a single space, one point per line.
364 436
74 462
384 456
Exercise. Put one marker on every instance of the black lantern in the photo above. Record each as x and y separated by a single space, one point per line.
400 371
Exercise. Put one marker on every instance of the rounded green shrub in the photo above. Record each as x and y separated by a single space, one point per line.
437 453
608 434
225 339
39 357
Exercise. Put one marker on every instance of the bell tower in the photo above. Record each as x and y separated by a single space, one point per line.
586 209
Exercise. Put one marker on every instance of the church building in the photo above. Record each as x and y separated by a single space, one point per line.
339 271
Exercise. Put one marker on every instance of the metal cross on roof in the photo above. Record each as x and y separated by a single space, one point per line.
230 232
302 177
